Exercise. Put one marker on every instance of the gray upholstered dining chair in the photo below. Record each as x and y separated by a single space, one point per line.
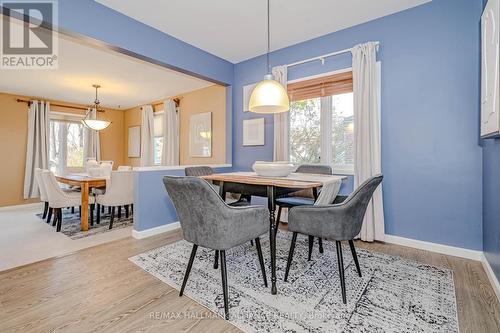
207 221
338 222
198 171
304 197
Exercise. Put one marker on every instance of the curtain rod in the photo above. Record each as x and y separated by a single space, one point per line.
323 56
59 105
177 102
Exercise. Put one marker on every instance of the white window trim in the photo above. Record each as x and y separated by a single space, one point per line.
344 169
326 124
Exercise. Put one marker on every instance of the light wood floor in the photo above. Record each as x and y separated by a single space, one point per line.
99 290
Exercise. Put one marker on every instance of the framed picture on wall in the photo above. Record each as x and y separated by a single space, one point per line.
200 135
134 141
254 132
247 92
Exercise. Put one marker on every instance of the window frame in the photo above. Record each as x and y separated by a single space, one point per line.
68 118
326 125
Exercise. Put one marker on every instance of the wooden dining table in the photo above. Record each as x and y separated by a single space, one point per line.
85 183
249 183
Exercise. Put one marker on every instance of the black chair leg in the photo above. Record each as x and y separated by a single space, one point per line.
188 269
290 256
72 210
251 242
45 209
311 243
216 259
56 216
49 214
109 210
278 217
340 262
79 211
59 219
320 241
126 211
91 215
98 219
112 218
261 260
355 257
102 209
224 283
119 212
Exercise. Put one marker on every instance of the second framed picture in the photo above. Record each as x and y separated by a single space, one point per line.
254 132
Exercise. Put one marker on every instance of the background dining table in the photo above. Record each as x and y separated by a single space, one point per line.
250 183
85 183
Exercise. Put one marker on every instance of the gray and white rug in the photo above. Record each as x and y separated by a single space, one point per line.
394 294
71 224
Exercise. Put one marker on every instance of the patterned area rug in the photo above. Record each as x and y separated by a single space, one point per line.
394 294
71 224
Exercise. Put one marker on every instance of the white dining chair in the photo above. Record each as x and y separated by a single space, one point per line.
106 167
43 192
59 199
119 192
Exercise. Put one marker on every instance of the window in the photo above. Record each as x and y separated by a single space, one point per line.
66 145
158 139
321 122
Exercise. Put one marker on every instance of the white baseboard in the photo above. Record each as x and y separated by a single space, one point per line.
155 231
434 247
23 206
491 276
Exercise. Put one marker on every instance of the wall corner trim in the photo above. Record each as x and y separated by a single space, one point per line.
491 276
155 231
435 247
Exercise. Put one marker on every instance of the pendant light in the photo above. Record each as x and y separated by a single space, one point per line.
269 96
95 124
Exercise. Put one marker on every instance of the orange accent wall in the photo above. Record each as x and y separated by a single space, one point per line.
13 138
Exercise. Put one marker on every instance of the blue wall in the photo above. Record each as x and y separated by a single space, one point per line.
491 203
430 106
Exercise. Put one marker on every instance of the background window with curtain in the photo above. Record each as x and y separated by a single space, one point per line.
66 145
321 122
158 138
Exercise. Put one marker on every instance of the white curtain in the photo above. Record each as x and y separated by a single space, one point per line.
367 148
281 121
170 153
92 147
147 136
37 152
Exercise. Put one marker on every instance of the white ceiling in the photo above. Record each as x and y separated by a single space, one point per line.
236 29
126 82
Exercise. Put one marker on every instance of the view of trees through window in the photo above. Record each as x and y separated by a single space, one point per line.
305 140
306 132
342 131
66 146
158 149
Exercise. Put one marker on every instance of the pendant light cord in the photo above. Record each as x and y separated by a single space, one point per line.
268 40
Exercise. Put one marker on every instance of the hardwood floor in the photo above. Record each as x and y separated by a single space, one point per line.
99 290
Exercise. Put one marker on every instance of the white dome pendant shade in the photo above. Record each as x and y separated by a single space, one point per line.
269 96
96 124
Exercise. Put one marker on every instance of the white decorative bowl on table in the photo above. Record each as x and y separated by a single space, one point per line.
273 169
